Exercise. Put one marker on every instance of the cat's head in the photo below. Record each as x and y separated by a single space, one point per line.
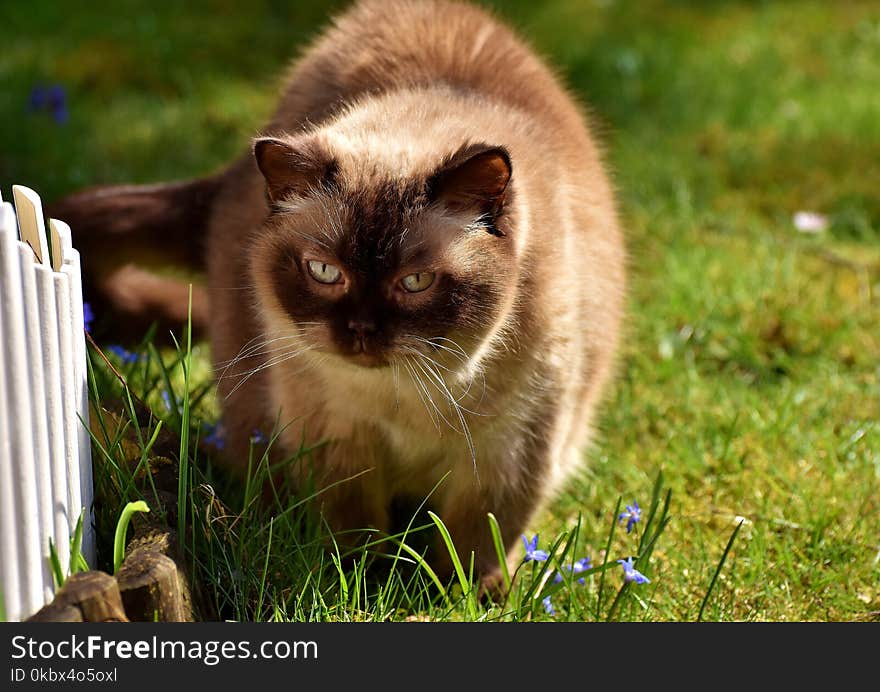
368 263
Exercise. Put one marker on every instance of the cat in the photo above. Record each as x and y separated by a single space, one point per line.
418 262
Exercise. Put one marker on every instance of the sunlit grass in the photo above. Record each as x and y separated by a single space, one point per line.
749 373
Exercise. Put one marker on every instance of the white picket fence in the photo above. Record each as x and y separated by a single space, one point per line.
45 458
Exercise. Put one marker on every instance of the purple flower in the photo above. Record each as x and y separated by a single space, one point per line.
126 357
57 98
548 606
532 552
581 565
216 435
257 437
38 98
630 573
166 399
52 99
633 514
88 317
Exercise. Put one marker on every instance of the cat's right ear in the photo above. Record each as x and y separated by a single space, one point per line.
474 178
292 170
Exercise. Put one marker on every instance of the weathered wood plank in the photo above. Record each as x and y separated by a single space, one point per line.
95 594
53 612
151 588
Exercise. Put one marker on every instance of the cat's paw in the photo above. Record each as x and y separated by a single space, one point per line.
492 588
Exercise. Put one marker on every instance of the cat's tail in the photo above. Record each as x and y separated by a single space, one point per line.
141 247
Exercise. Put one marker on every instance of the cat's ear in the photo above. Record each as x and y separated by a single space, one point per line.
474 178
292 169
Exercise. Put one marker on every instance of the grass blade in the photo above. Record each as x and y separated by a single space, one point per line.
605 559
652 511
55 565
718 569
77 561
183 468
456 563
499 549
265 570
432 575
623 589
122 529
166 380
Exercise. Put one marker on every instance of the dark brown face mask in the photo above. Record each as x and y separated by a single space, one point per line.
385 266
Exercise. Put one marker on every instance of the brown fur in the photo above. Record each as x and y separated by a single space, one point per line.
414 135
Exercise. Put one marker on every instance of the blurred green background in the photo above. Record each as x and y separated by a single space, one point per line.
751 367
701 103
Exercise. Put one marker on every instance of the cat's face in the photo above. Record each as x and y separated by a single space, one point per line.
373 272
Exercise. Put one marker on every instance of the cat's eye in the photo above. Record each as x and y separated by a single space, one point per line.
413 283
324 273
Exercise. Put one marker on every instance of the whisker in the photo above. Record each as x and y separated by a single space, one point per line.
289 375
228 370
464 389
251 349
318 241
271 363
395 374
441 387
419 354
477 370
422 391
458 351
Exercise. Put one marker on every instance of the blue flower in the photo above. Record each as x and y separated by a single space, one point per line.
166 399
630 573
126 357
88 317
633 514
216 435
38 98
548 606
532 552
57 98
52 99
581 565
257 437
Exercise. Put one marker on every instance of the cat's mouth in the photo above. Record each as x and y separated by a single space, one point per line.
367 360
365 352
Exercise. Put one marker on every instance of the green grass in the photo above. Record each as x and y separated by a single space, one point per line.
749 373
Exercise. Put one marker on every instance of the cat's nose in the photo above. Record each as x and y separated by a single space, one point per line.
362 327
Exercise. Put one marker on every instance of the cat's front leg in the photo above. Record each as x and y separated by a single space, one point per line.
348 491
466 516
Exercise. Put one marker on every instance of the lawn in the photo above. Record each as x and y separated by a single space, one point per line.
749 381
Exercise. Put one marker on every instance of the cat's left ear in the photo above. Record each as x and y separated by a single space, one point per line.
475 178
292 167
